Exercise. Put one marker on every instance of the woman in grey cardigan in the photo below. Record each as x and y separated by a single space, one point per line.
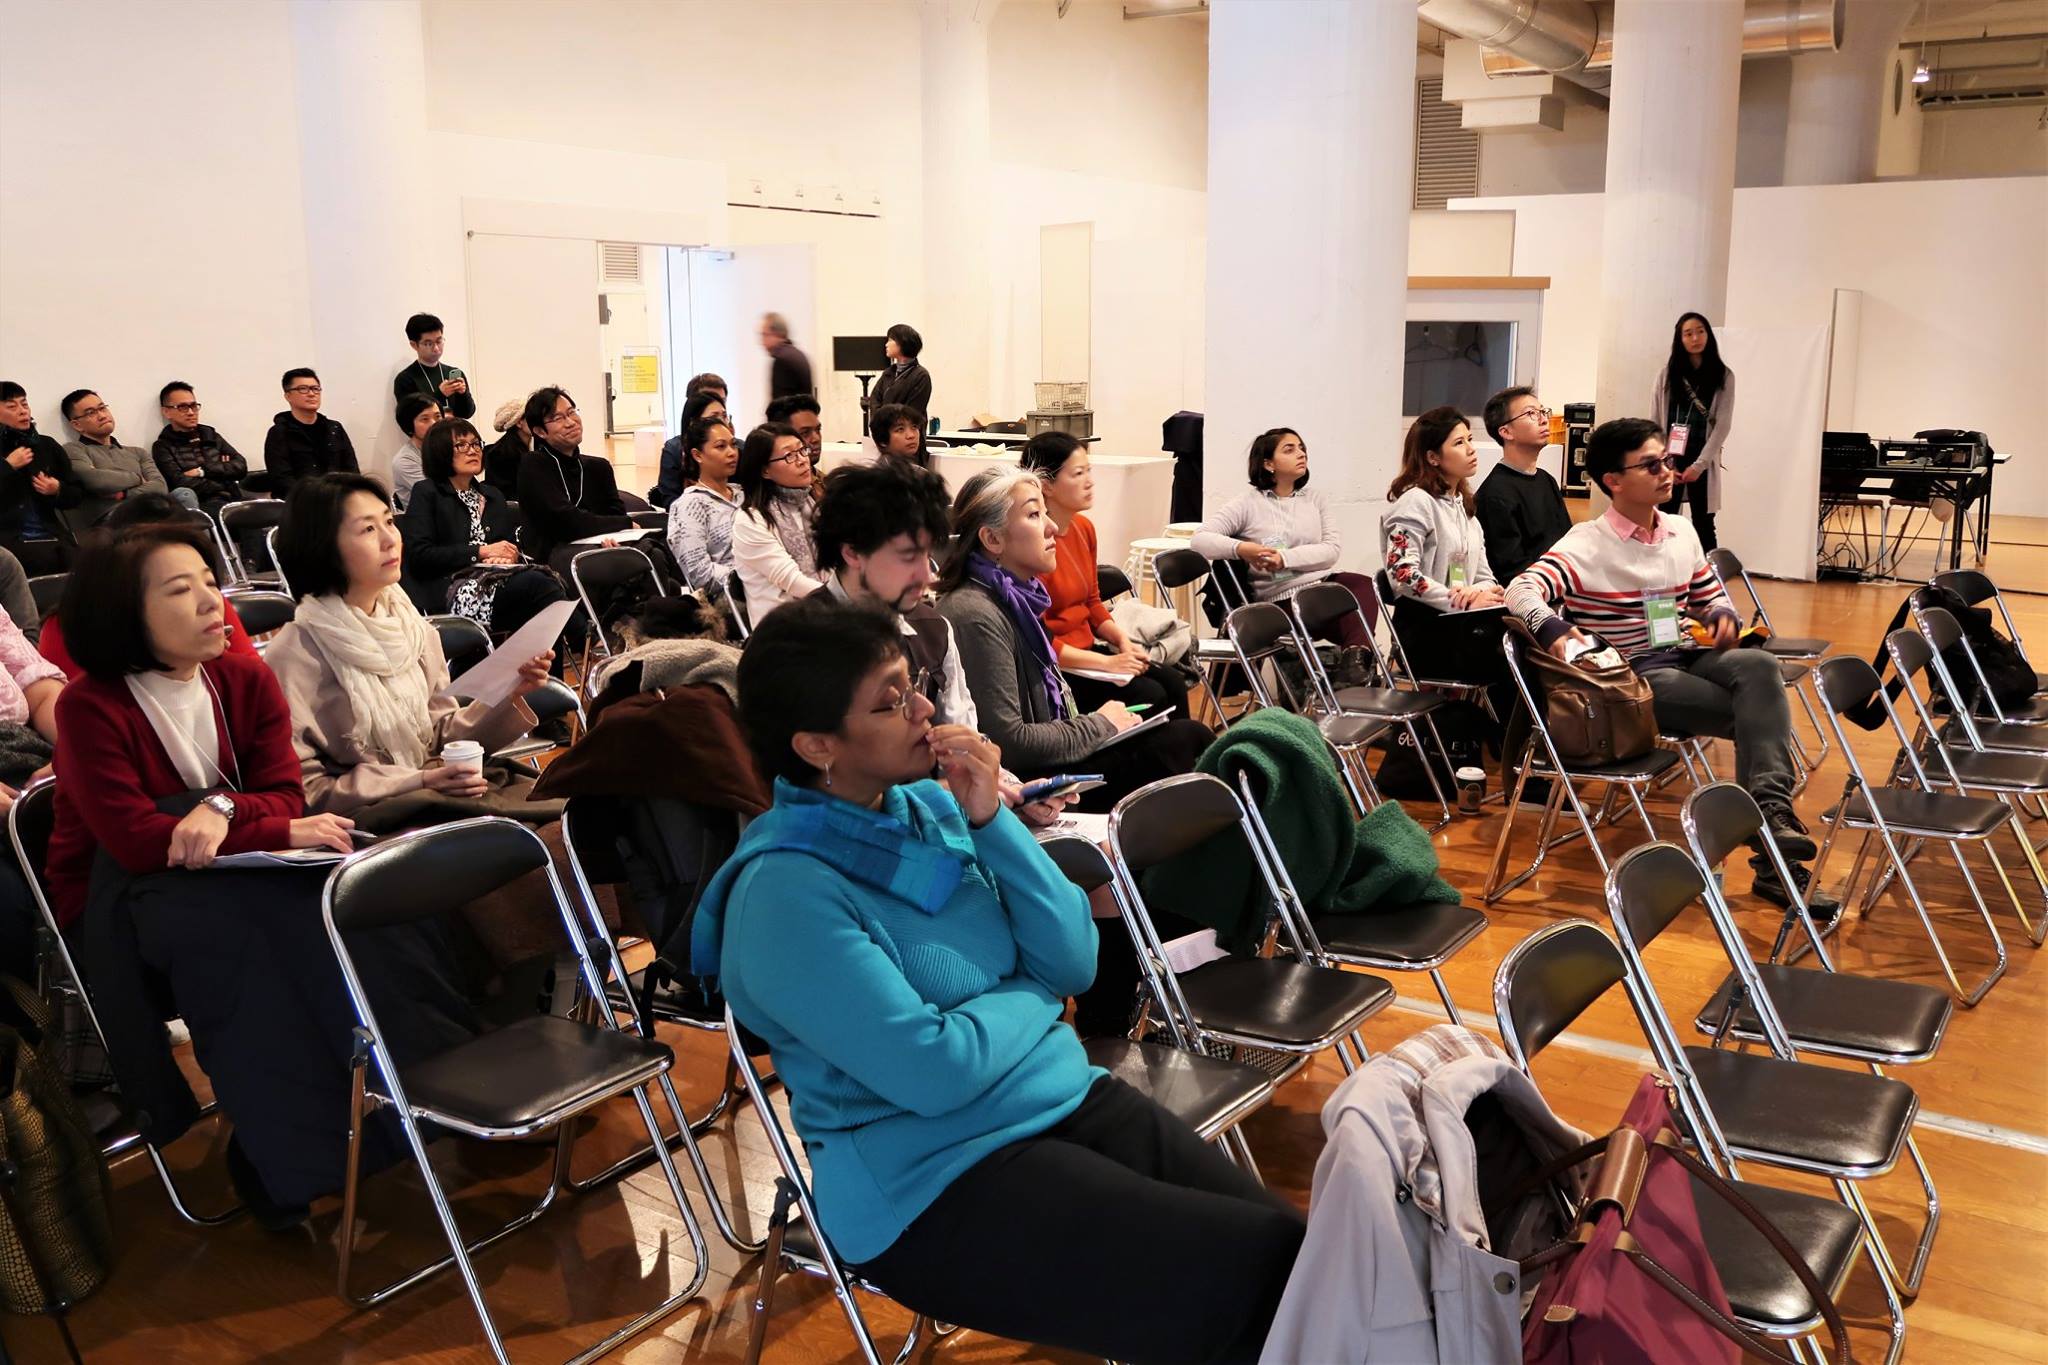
1695 392
989 591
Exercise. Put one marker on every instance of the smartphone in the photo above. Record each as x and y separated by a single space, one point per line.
1067 784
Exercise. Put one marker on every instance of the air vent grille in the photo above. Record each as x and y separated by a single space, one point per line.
1446 155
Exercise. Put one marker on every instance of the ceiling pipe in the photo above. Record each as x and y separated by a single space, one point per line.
1575 39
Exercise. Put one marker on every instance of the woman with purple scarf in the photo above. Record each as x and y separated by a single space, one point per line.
990 591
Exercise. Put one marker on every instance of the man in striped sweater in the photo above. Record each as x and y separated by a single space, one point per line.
1632 576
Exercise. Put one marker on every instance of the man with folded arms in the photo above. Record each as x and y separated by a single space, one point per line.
110 471
1632 575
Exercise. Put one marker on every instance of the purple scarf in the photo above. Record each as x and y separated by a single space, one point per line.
1023 600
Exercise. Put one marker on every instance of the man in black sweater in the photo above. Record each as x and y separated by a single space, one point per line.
37 483
789 369
1519 506
446 385
301 441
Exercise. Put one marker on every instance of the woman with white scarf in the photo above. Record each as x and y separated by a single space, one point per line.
772 545
362 669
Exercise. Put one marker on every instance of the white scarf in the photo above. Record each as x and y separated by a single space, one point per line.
379 658
181 713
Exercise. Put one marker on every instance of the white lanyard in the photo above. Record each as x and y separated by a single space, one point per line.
576 501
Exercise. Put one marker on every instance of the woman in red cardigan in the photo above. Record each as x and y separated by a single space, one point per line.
175 752
1083 634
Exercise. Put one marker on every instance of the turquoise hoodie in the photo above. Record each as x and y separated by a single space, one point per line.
908 973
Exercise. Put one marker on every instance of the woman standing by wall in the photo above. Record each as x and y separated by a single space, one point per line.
1694 401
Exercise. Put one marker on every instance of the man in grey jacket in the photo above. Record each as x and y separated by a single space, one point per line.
109 470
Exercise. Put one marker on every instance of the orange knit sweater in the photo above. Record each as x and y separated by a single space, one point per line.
1076 608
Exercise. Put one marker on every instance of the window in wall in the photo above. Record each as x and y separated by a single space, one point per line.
1457 363
1446 155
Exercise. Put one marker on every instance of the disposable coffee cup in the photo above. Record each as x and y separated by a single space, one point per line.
463 753
1471 789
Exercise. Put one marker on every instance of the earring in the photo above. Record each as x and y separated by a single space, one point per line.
828 776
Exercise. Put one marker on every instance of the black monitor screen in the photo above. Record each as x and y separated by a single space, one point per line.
859 354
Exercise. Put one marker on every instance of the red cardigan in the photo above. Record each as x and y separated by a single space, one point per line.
112 770
50 643
1077 608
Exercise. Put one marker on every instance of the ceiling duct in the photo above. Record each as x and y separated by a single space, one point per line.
1575 39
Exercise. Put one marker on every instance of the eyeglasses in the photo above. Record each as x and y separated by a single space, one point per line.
469 447
797 456
303 388
98 411
1656 465
187 407
1543 413
555 417
901 706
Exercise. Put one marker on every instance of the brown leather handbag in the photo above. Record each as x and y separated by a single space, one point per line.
1595 716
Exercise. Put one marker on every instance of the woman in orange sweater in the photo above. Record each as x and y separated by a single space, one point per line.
1085 638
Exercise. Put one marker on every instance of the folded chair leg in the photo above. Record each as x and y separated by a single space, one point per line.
911 1339
1895 1312
1971 996
2033 860
1636 799
1497 869
1443 800
720 1215
1443 993
1908 1284
1239 1150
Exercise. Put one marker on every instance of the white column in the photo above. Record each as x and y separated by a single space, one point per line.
1311 167
957 206
1837 98
376 248
1670 186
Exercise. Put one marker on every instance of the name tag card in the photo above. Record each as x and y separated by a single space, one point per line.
1663 617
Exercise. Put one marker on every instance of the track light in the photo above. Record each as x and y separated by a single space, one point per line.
1920 74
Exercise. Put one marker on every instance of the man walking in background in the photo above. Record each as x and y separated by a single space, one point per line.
789 369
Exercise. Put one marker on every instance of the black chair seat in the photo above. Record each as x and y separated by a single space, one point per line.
1642 767
1997 772
1943 814
1793 672
1761 1288
2004 739
2029 713
2040 681
1205 1093
1387 702
1798 649
1347 730
1287 1004
1426 932
538 1067
1841 1012
1848 1121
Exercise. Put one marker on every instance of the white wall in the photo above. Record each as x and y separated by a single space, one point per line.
1953 275
2010 140
130 257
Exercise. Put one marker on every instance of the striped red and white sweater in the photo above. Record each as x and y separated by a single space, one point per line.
1599 580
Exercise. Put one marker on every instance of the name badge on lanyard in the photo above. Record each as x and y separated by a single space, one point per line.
1457 575
1662 613
1675 443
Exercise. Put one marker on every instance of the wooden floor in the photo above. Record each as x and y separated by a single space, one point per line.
182 1294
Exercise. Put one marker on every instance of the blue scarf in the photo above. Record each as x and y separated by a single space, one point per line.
1024 601
916 848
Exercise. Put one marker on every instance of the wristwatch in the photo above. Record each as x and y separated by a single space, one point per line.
221 804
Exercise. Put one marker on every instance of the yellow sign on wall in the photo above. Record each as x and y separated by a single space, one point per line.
640 373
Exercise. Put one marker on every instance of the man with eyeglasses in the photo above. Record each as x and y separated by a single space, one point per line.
192 455
1638 579
1518 504
301 442
109 471
36 484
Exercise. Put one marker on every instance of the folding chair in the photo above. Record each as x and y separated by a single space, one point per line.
1845 684
1296 1009
48 590
637 992
1261 633
262 612
1962 729
1174 570
1111 582
532 1075
276 566
1846 1126
464 643
1796 657
2008 777
1321 604
29 824
1792 1010
253 517
1542 987
1976 589
1397 661
1419 937
1944 632
797 1242
633 502
1633 776
601 573
1209 1094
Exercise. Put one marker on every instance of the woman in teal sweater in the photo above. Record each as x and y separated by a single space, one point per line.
906 949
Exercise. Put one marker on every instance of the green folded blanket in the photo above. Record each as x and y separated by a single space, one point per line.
1384 861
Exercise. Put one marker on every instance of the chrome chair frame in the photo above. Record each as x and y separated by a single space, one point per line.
1213 654
51 948
1875 823
225 515
1935 623
369 1050
1964 582
1350 748
1720 560
597 633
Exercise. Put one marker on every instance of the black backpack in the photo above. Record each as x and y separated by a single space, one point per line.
2005 668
